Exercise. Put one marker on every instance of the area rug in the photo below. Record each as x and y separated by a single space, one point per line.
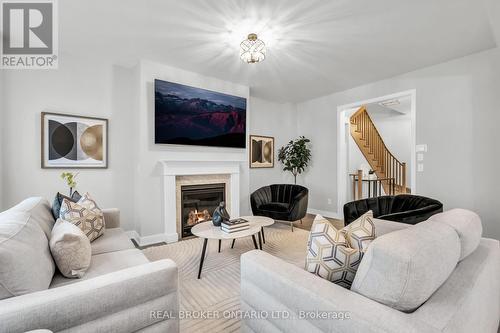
217 293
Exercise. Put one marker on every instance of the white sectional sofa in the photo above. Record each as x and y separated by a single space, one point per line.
442 262
118 293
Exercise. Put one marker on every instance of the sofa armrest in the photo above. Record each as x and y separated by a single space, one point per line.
270 285
122 300
111 217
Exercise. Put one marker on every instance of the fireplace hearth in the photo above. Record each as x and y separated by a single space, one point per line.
198 202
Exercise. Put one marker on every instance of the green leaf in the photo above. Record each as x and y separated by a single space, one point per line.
295 156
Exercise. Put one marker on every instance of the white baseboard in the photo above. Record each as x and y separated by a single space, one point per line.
132 234
171 238
152 239
325 213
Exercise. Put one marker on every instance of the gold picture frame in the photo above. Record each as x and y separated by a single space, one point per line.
261 151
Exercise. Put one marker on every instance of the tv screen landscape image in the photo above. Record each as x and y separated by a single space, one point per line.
187 115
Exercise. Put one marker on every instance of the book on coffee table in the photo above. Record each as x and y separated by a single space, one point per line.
229 231
236 223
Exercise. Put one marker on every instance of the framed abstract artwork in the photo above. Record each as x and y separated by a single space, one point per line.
261 151
70 141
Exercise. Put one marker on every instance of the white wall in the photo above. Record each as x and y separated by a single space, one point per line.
132 182
148 196
457 118
279 121
80 86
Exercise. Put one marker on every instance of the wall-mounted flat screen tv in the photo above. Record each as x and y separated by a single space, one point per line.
187 115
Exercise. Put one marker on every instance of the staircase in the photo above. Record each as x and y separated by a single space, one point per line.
381 160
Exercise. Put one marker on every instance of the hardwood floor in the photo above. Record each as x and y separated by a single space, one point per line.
308 220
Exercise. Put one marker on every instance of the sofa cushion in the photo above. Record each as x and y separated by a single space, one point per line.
112 240
403 268
383 227
105 263
468 226
361 232
275 206
329 255
39 210
70 249
26 264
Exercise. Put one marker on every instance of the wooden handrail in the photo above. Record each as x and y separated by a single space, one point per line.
373 147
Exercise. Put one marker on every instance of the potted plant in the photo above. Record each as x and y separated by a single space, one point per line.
295 156
69 177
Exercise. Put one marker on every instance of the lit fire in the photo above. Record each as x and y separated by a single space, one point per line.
197 217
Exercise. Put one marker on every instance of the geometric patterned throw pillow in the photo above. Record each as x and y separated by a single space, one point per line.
361 232
329 254
87 202
56 205
85 214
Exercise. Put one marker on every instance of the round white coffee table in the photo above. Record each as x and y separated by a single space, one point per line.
258 220
207 230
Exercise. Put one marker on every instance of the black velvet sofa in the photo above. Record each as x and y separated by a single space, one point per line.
404 208
283 202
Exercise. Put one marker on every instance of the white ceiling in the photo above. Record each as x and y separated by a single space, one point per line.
315 47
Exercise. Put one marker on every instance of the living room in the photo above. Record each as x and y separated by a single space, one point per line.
150 131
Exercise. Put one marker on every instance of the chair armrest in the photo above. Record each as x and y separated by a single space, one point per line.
93 300
412 216
298 207
259 197
111 217
270 284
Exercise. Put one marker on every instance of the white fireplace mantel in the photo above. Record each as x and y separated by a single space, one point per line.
172 169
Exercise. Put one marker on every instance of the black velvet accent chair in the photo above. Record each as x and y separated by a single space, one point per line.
404 208
283 202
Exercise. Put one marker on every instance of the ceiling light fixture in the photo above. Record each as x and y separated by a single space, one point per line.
252 49
390 102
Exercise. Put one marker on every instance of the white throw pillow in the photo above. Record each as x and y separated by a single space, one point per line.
26 265
335 255
361 232
70 248
468 226
402 269
85 214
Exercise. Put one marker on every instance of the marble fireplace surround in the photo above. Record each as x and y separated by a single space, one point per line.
199 180
178 173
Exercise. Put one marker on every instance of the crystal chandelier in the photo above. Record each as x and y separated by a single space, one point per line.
252 49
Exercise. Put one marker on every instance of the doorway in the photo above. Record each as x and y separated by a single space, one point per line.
388 110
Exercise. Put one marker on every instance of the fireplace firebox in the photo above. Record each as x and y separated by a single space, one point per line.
198 203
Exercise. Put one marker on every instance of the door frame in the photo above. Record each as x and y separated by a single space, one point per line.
342 144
